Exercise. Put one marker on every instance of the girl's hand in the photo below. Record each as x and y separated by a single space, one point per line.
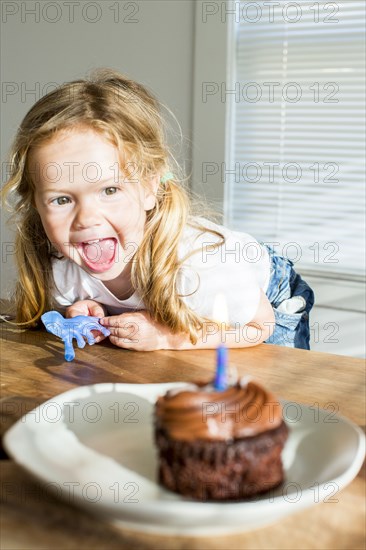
139 332
90 308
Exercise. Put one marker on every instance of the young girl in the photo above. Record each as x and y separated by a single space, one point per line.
106 228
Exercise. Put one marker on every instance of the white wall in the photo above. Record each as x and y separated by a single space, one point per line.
150 40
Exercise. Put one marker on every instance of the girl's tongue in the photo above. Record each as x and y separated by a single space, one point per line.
99 255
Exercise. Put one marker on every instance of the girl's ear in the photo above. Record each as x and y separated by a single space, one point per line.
150 192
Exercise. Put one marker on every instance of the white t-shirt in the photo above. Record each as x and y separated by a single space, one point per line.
238 270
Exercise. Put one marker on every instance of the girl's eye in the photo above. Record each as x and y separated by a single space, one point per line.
110 190
60 201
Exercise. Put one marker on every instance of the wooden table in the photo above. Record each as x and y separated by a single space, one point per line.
33 370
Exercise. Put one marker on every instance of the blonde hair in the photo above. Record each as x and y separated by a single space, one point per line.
127 114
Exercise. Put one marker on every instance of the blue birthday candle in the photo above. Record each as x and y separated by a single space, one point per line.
220 382
220 315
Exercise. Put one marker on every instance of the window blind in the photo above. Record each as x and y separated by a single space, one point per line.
295 172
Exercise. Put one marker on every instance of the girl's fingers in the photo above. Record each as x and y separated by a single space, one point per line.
121 332
124 330
110 321
96 311
118 321
73 312
121 342
88 308
99 338
120 326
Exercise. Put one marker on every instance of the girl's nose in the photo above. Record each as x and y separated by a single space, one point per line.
86 216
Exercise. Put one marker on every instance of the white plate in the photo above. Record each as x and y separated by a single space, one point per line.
94 447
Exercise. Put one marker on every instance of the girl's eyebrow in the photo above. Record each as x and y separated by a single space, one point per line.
112 178
51 190
60 190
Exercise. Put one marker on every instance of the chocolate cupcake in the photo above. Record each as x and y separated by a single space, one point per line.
220 445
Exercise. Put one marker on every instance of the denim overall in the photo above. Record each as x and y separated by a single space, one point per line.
292 329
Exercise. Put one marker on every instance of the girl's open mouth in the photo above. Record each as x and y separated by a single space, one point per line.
98 254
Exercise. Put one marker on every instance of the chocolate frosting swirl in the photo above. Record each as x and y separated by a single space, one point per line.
198 411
